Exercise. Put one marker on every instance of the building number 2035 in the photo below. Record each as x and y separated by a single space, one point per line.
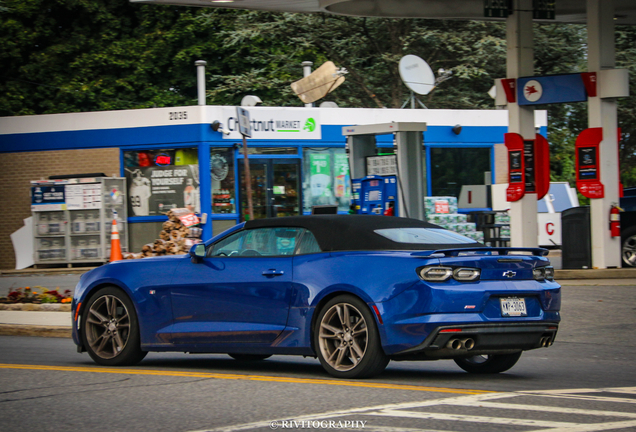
179 115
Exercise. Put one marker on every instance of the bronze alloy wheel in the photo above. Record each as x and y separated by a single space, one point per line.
629 251
107 326
343 337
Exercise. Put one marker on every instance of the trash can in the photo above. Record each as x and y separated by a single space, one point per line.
576 238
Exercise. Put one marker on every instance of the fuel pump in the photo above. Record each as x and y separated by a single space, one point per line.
376 195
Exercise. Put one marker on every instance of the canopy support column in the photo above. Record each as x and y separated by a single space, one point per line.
520 58
603 113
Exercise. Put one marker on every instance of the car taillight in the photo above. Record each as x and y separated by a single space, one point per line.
543 273
549 273
436 274
466 274
441 274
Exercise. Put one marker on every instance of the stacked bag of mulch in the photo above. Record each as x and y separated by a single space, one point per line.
175 237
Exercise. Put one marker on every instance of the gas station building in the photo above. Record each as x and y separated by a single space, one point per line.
298 159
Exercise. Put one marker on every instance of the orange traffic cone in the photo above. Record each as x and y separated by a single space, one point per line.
115 245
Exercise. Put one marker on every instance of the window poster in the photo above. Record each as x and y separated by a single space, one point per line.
155 190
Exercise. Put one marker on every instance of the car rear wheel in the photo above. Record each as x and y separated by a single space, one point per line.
628 249
249 357
347 341
488 364
111 330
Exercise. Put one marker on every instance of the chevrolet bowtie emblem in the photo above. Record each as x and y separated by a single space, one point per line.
510 274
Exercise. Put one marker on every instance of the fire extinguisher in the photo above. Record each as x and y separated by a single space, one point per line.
615 220
390 211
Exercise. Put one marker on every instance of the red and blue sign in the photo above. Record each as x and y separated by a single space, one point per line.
551 89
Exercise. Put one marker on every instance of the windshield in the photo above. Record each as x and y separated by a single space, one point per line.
424 236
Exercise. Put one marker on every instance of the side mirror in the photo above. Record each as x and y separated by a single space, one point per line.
197 253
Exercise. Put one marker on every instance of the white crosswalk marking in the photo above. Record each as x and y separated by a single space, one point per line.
508 406
472 419
541 408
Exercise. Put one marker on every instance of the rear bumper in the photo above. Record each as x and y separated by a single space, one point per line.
478 339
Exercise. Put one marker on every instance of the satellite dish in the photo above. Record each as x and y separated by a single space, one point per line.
328 104
417 74
321 82
250 101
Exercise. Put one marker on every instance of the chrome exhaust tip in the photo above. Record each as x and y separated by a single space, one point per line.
546 341
468 343
454 344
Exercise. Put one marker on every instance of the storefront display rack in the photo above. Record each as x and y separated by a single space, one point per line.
73 219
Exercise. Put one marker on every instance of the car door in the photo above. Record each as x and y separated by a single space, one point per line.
239 293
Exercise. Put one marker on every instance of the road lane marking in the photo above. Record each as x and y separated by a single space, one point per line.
588 398
472 419
262 378
595 427
542 408
401 410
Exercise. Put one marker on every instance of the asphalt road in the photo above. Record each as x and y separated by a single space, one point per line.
586 381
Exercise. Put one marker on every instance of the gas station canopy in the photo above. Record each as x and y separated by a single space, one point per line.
566 11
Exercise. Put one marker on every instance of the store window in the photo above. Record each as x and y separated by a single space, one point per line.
326 178
160 180
451 168
222 172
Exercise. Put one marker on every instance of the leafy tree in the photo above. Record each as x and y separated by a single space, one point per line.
626 58
88 55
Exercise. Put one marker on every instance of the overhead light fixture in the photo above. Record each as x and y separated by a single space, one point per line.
218 127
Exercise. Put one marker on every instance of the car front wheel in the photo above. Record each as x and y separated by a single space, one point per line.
347 341
488 364
110 330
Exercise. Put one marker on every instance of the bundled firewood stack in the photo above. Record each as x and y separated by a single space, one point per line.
174 239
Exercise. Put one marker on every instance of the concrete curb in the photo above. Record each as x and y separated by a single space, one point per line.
616 273
45 271
41 307
33 330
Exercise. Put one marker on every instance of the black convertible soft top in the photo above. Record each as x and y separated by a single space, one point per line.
355 232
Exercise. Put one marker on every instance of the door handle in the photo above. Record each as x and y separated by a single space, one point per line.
273 272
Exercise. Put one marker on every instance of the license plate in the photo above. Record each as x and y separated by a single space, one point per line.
513 307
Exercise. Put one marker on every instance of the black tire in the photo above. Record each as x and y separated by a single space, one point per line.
250 357
110 329
628 247
488 364
354 350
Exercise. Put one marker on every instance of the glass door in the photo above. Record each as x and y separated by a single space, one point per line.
275 187
285 188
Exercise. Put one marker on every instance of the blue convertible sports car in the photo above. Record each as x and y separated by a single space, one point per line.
355 291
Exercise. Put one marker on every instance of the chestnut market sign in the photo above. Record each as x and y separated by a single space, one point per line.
279 123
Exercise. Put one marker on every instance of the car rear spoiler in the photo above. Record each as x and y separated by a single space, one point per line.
484 250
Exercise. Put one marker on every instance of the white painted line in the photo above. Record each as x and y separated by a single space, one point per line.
627 390
594 427
473 419
342 413
631 390
541 408
372 428
483 400
589 398
563 391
